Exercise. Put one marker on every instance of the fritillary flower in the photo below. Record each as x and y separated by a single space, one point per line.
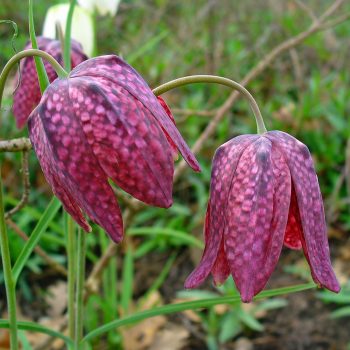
264 194
27 95
101 122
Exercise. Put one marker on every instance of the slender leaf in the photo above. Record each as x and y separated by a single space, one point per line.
34 327
34 238
160 231
40 68
191 305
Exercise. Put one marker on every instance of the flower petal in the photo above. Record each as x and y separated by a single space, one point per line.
131 149
119 72
294 230
310 206
168 112
73 156
225 162
257 215
54 176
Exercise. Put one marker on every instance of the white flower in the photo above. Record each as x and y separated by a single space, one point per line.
83 28
103 7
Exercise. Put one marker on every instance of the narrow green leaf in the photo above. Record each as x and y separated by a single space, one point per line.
341 312
147 46
67 37
190 305
34 238
34 327
183 237
40 68
127 279
250 321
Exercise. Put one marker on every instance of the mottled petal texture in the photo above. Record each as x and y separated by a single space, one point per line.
89 128
118 72
132 150
309 199
27 95
264 193
224 166
71 155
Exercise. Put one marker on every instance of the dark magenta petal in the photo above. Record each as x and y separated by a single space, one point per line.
310 205
72 155
225 162
120 73
169 114
27 95
257 214
55 177
131 149
294 230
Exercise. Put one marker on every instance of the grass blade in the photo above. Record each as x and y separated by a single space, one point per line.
34 238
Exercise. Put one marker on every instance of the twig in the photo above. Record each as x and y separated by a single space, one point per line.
306 9
49 261
25 184
15 145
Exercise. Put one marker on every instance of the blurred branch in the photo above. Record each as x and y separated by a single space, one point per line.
25 184
187 112
15 145
306 9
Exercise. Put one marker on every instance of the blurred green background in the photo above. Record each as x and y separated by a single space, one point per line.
305 92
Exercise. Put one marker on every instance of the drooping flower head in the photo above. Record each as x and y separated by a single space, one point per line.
103 121
27 95
264 193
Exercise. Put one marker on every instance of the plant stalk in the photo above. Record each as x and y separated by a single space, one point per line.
29 53
8 277
72 261
213 79
79 299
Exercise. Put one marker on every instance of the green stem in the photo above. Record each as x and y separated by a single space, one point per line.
8 277
79 305
39 65
212 79
29 53
71 248
67 37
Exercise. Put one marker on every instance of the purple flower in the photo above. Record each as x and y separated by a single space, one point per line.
101 122
264 193
27 95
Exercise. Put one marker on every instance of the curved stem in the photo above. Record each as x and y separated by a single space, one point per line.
29 53
212 79
79 305
8 276
67 36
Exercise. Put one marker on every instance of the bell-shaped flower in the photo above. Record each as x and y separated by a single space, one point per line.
27 94
264 194
83 25
103 7
101 122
